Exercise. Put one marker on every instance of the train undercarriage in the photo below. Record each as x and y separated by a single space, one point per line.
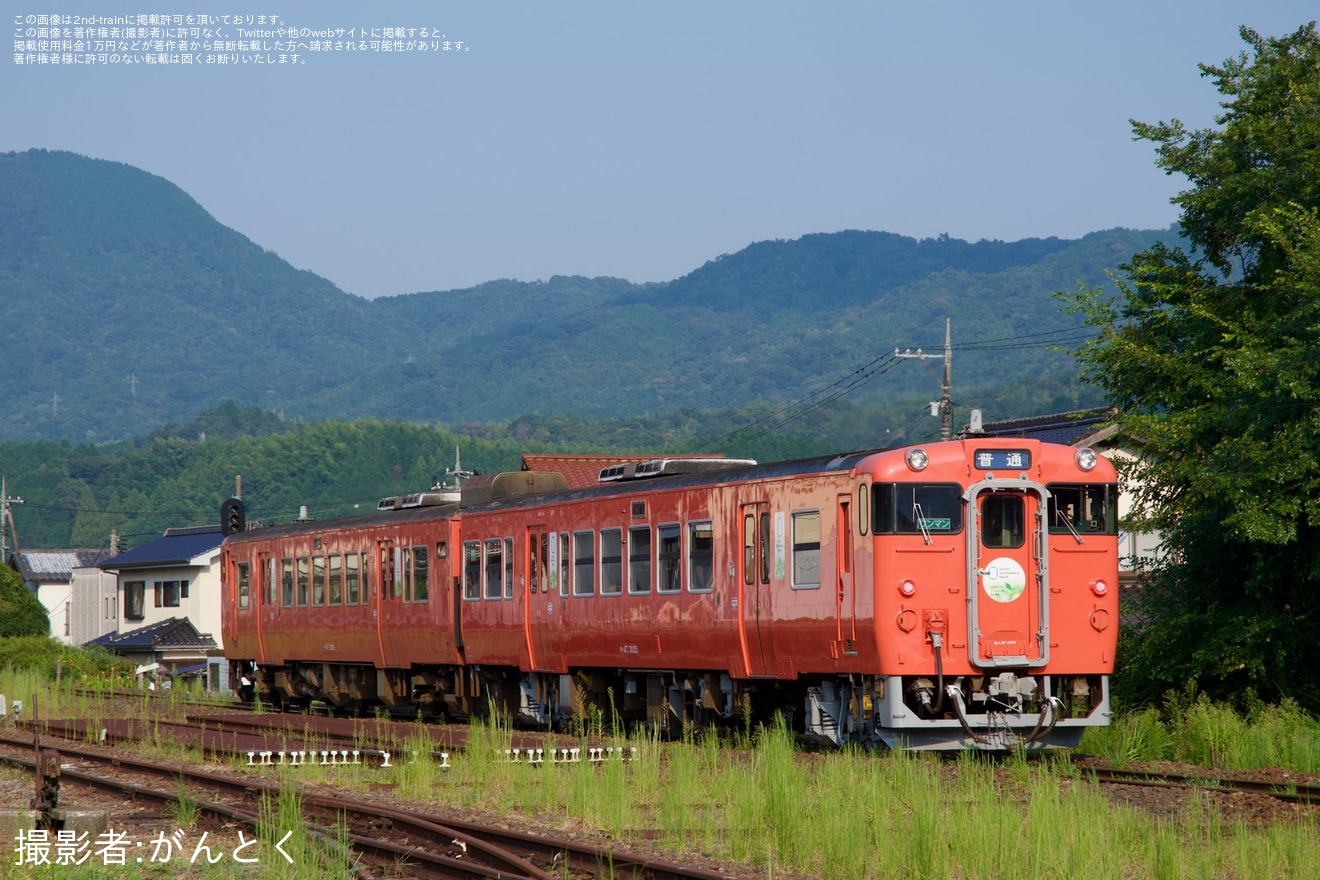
1005 710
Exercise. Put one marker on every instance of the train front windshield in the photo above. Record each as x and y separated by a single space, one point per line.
912 508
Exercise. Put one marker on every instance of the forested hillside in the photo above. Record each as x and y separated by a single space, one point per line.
125 307
75 495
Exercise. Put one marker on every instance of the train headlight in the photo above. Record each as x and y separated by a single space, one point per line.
907 588
1086 459
917 459
1100 588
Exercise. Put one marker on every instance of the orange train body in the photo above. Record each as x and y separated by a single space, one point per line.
961 594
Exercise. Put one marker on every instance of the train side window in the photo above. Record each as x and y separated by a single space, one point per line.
494 568
765 548
1003 521
508 568
669 557
611 562
806 550
639 559
366 577
390 587
749 549
863 514
421 588
405 573
286 582
303 571
270 579
318 580
1092 508
701 557
244 587
584 563
336 572
563 563
471 569
351 594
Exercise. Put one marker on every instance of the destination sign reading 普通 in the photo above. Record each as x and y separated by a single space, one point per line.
1001 459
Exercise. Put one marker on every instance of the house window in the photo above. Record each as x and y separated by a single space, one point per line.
167 593
244 587
135 593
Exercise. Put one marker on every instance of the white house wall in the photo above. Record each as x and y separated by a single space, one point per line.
202 605
55 597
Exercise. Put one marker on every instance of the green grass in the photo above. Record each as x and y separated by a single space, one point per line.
1196 731
853 815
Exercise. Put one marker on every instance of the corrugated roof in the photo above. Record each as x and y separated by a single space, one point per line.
1068 428
174 632
54 565
177 547
584 470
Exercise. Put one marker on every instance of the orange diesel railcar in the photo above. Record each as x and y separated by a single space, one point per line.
960 594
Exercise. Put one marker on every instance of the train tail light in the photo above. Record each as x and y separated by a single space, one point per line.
1100 588
907 588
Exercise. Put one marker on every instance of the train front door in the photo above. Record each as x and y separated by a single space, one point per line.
754 586
1008 581
539 605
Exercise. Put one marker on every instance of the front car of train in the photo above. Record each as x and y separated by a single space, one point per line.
995 575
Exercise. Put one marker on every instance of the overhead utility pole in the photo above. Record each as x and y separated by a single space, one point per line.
7 521
945 404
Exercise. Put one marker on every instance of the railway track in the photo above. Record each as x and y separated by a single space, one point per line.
1305 794
426 844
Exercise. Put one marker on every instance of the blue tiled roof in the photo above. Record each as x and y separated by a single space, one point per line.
1064 428
177 547
174 632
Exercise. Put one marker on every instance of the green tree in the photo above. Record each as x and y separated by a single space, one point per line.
21 613
1212 356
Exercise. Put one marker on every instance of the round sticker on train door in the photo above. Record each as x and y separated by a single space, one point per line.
1003 579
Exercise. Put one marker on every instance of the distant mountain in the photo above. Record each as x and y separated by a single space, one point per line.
125 307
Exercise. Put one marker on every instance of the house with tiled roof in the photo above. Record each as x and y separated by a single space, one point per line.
1088 428
175 577
173 644
50 575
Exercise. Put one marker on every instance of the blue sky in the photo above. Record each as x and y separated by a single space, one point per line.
641 139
